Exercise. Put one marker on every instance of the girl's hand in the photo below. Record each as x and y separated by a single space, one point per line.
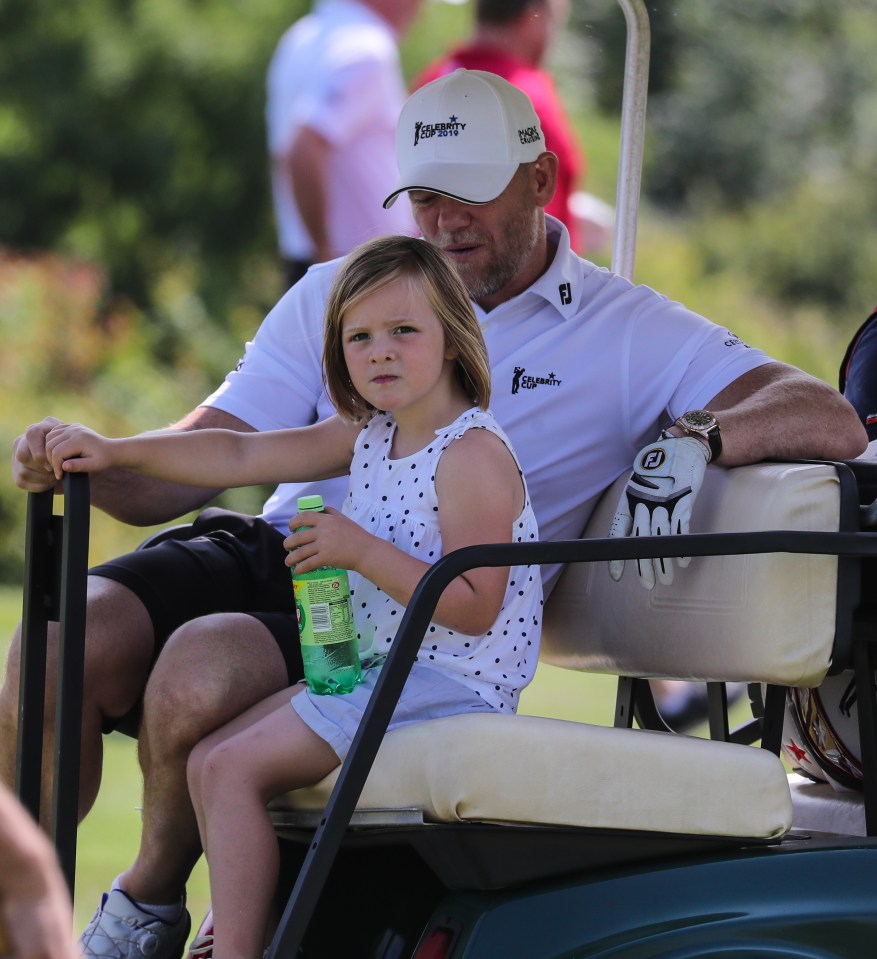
71 448
329 539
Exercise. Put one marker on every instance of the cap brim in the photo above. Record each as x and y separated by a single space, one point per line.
475 183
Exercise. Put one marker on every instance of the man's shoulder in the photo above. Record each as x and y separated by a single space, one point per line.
474 56
304 302
337 37
356 34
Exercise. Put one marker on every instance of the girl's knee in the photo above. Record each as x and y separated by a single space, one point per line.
194 769
220 763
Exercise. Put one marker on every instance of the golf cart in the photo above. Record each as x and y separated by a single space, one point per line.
523 837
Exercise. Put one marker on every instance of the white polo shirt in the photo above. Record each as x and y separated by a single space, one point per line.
337 71
587 368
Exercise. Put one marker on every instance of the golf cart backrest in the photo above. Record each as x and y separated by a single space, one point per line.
767 617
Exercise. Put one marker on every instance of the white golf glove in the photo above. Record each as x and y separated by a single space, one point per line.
657 501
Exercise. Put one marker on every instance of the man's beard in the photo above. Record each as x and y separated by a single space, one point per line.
518 240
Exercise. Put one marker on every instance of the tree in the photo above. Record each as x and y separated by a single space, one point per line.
132 134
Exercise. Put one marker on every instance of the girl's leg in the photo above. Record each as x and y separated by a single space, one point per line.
239 777
245 719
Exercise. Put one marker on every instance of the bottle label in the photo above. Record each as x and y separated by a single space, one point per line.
324 609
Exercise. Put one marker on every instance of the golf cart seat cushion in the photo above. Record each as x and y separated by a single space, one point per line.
818 807
529 770
769 617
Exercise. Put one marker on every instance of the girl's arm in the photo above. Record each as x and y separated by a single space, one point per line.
217 458
480 496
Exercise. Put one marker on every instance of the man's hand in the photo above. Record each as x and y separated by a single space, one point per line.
657 501
31 469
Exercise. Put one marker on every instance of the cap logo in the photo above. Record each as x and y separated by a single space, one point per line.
425 131
530 135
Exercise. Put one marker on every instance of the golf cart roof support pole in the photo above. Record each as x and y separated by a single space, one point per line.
633 129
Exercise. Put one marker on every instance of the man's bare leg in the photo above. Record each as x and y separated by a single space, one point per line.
210 671
118 651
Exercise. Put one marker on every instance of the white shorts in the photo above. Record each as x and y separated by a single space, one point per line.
428 694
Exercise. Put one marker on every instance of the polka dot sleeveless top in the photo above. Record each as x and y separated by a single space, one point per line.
396 500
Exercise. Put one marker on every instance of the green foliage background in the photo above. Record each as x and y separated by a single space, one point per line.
137 249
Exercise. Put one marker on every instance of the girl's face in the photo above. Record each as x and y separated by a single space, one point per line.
394 347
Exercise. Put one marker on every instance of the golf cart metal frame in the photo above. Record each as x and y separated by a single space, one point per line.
549 891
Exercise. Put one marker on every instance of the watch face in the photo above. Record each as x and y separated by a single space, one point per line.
698 420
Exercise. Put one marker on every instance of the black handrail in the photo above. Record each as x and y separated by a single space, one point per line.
56 563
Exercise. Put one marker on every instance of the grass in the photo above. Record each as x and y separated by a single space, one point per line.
109 836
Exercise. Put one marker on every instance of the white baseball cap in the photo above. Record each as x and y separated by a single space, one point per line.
464 136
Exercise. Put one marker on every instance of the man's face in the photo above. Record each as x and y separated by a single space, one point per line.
496 247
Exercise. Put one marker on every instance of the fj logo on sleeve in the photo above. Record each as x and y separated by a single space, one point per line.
565 291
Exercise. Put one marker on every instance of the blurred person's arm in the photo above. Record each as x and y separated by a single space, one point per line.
37 916
306 164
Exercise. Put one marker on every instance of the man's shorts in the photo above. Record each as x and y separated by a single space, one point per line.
224 562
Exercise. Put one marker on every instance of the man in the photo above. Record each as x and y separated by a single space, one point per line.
335 88
512 39
857 379
600 366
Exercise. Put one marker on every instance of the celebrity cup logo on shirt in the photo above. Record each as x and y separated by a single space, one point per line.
425 131
735 340
522 382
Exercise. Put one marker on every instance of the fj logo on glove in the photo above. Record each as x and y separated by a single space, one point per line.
654 459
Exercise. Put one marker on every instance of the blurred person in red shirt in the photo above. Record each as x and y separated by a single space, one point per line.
511 39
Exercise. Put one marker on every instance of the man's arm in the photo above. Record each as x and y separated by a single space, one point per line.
779 412
772 412
124 495
305 164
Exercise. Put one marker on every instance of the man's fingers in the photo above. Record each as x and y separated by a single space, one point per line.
661 526
621 525
664 570
642 526
646 571
35 438
28 475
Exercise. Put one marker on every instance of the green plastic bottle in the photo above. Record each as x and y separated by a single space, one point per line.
329 647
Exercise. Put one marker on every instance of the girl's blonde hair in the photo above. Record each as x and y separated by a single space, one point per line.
369 268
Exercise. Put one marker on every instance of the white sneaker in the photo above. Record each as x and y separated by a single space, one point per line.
201 946
121 930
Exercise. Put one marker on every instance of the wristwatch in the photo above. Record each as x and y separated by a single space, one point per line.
702 423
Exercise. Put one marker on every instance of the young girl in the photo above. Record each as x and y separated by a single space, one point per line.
430 472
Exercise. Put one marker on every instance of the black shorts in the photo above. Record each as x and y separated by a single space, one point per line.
224 562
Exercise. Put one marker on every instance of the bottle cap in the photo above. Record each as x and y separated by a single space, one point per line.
310 503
